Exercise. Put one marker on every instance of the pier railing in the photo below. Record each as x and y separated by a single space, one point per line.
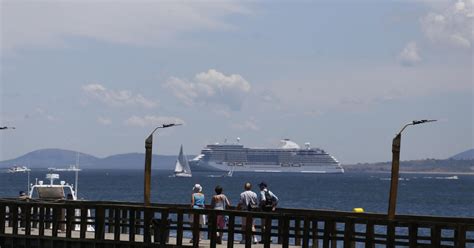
120 224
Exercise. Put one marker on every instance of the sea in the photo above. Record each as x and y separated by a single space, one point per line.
420 194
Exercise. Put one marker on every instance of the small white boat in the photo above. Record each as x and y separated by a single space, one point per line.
182 168
16 169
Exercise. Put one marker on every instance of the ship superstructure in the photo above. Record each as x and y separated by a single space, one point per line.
287 158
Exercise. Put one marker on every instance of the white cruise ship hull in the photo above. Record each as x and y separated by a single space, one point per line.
201 166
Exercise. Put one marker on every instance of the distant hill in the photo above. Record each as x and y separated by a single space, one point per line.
424 165
59 158
466 155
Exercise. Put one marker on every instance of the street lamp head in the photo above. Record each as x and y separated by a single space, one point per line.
421 122
2 128
171 125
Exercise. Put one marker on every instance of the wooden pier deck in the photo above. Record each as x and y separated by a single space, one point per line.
28 223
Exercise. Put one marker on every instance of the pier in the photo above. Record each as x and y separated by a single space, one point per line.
29 223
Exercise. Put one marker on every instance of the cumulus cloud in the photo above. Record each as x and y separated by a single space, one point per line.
452 25
117 98
211 87
409 55
151 120
104 121
50 23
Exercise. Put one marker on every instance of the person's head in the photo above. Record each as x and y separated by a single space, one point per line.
22 193
197 188
262 185
248 186
218 189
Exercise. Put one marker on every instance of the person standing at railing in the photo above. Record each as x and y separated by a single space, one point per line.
248 201
268 202
197 202
220 202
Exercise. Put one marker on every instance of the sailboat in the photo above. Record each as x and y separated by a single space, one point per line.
182 168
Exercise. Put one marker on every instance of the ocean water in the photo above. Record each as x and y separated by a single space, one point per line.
422 194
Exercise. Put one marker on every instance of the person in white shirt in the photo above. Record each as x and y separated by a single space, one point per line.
268 202
248 201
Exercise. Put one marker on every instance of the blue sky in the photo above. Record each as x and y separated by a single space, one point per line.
97 76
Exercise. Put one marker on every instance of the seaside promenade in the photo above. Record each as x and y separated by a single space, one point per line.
124 224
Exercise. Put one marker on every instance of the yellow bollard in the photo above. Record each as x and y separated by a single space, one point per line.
358 210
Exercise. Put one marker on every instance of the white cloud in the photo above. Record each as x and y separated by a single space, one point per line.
104 121
211 87
151 120
453 25
50 23
117 98
409 55
246 125
42 113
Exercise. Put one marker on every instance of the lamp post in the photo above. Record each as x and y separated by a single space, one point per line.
392 202
148 155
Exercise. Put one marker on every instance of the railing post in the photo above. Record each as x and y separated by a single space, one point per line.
131 225
286 232
196 230
212 227
460 239
391 234
164 228
99 223
266 236
306 229
348 233
315 233
146 225
297 232
2 218
369 234
84 221
413 235
179 227
435 236
117 223
230 231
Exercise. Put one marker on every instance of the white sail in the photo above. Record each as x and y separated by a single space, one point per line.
182 166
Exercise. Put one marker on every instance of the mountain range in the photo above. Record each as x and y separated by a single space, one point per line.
59 158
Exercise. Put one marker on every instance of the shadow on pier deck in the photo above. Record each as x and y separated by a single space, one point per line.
122 224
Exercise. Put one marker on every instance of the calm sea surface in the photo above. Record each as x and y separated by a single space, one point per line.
424 194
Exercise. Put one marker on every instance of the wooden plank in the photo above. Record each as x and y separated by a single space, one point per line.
2 219
147 218
55 220
248 230
315 233
14 218
164 228
230 231
124 221
369 234
69 219
266 237
179 228
435 236
280 230
306 230
286 234
27 219
391 234
333 235
84 221
110 220
41 221
196 231
413 235
461 236
99 223
297 232
327 233
117 223
131 225
212 225
348 233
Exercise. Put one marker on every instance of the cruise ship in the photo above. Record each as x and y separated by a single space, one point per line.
290 157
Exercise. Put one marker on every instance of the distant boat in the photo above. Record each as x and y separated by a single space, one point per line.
16 169
182 166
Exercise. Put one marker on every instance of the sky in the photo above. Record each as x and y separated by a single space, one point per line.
98 76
